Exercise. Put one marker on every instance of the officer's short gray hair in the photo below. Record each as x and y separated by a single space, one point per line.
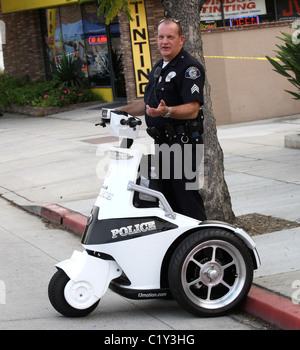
174 20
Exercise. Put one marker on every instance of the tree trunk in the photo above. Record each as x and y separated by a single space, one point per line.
215 191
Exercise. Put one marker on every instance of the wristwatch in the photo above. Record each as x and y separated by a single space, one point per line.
168 114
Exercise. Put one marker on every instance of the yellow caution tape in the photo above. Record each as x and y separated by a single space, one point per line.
241 58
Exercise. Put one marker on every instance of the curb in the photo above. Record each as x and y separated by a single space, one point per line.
67 218
272 308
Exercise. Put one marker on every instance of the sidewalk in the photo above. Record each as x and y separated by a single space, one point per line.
52 166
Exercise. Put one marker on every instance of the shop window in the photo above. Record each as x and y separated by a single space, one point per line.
287 10
70 34
96 45
221 13
80 33
103 51
65 35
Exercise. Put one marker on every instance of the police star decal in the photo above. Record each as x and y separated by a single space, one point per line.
195 88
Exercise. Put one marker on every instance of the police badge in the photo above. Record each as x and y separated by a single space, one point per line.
170 76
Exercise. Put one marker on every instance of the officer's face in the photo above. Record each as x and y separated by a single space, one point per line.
168 40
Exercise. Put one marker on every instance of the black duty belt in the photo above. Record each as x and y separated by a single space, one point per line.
190 131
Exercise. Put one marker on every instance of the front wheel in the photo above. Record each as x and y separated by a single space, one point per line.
210 272
56 293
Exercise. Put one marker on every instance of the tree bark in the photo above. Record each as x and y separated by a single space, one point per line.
215 192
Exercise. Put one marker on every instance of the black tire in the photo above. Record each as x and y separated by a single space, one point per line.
210 272
56 289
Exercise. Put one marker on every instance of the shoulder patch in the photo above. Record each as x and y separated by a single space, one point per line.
192 73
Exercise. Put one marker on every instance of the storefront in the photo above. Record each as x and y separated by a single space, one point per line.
117 59
230 13
79 32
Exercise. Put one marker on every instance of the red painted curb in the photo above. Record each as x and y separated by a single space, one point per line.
75 222
273 308
69 219
54 213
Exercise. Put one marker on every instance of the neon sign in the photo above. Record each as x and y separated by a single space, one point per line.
97 39
239 21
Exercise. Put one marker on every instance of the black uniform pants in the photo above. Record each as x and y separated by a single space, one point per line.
178 163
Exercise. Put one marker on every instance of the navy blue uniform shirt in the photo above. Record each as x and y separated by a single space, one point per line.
180 82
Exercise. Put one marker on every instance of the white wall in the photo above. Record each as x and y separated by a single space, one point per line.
244 86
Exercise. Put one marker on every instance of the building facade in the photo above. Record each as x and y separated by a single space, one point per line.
116 58
37 36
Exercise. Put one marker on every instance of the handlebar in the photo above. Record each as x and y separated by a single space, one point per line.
132 122
120 124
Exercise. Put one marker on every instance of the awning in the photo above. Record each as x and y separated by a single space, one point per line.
23 5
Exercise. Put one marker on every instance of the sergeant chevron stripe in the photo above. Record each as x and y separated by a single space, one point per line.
195 88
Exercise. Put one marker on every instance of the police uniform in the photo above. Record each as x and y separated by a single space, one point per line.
181 81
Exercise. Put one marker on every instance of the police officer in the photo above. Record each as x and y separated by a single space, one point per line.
171 105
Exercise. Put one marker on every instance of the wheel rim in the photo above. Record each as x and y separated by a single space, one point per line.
213 274
79 294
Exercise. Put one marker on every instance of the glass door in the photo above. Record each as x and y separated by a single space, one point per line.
103 52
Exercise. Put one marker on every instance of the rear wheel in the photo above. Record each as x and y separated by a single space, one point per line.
210 272
56 290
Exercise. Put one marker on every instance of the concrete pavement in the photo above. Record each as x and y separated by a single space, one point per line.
53 166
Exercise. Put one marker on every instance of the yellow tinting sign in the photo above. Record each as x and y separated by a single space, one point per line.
140 45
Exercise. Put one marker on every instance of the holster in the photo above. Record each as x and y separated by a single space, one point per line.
156 133
194 127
